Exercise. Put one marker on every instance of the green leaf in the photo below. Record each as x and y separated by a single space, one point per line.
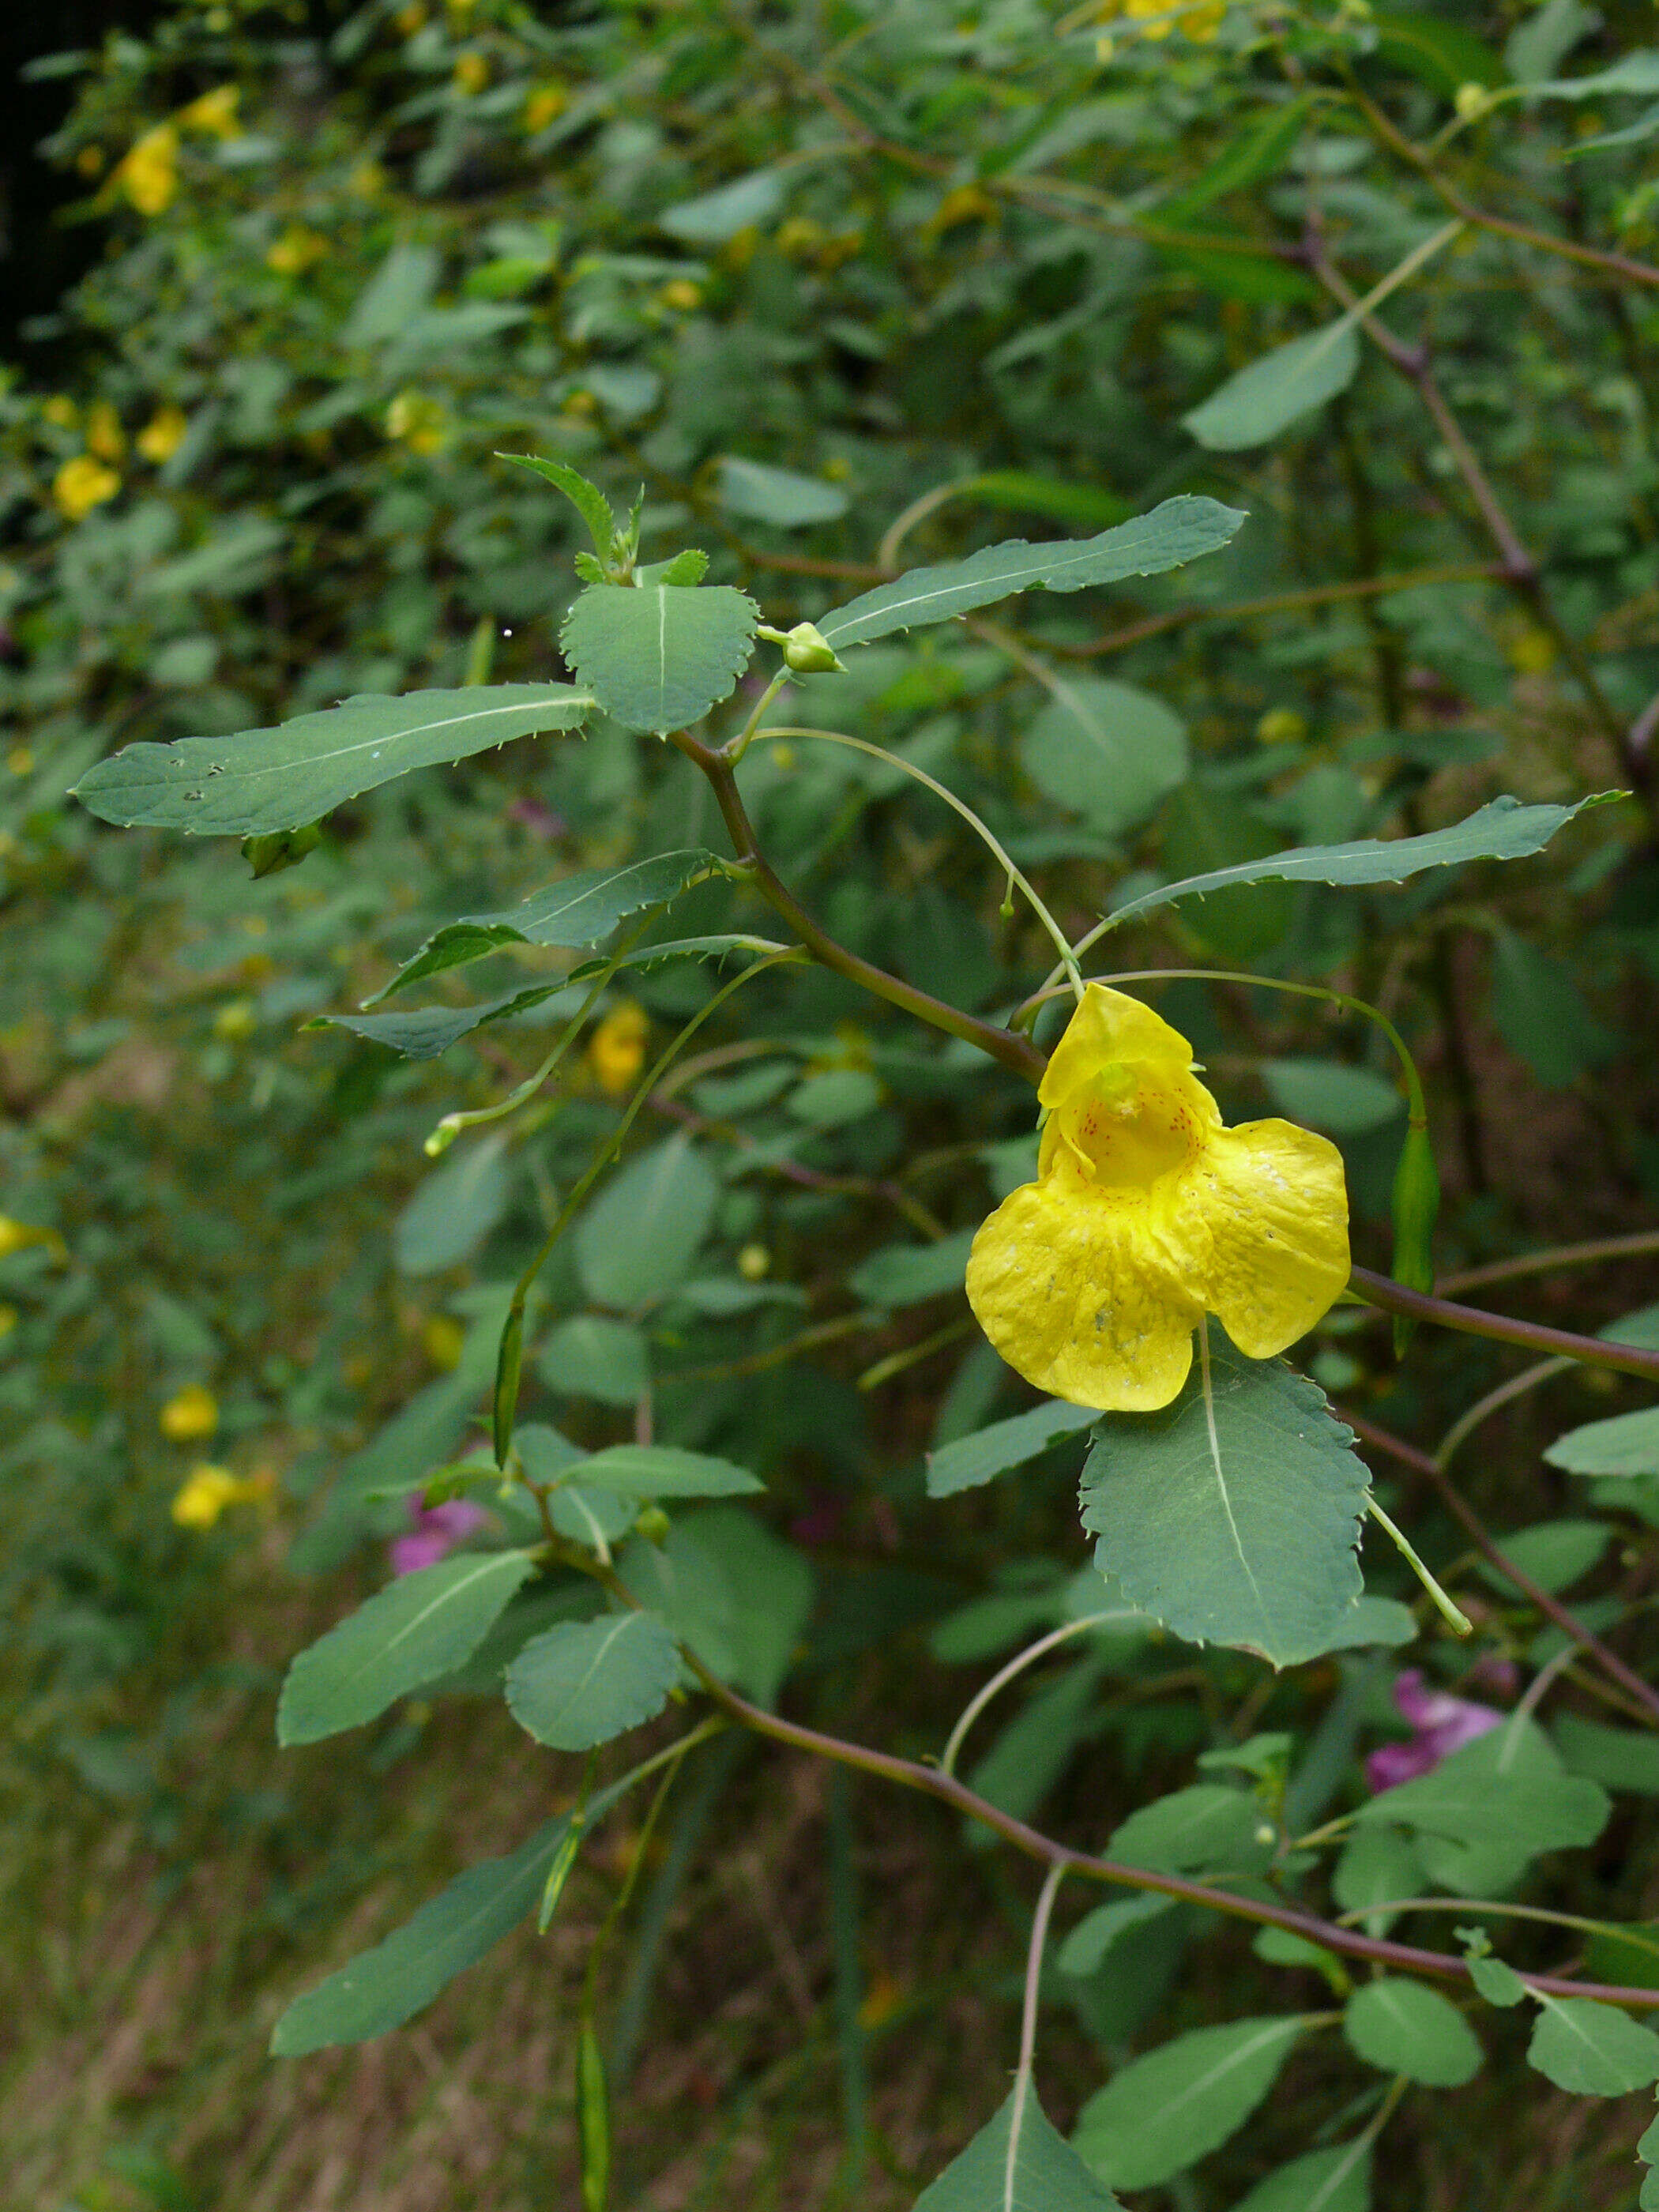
1592 2050
1086 1948
1034 1749
1017 2163
1554 1554
1206 1829
1061 501
1401 2028
660 657
399 289
589 501
1536 49
454 1209
381 1989
1259 151
1177 531
1162 2112
420 1627
1628 1443
1376 1865
639 1238
1327 1095
580 1685
1272 391
1540 1014
663 1471
579 910
971 1461
779 496
281 779
591 1356
1490 1808
1636 73
422 1032
714 217
1334 2180
1106 750
1438 54
1619 1758
773 1588
1233 1516
1498 1984
1503 829
905 1274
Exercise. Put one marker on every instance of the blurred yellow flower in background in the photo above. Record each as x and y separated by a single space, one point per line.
189 1415
1147 1214
615 1051
19 1236
213 112
545 104
163 435
206 1491
81 485
421 423
103 434
472 73
295 251
61 409
148 171
443 1337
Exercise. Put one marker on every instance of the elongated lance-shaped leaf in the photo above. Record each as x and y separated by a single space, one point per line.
381 1989
589 501
1163 2111
968 1461
580 911
1017 2163
1177 531
1271 392
659 657
1503 829
260 780
422 1625
1232 1515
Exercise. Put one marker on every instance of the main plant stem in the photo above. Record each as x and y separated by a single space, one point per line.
1017 1053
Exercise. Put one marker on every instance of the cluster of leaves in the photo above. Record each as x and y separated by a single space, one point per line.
807 277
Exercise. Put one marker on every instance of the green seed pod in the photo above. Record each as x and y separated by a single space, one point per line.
653 1523
594 2117
508 1361
1416 1205
280 848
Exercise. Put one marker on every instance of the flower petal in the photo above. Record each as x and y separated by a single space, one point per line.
1108 1025
1271 1200
1077 1290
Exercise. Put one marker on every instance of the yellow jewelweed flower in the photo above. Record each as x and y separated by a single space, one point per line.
162 435
1147 1214
472 74
191 1414
214 112
81 485
545 104
207 1490
294 252
103 434
615 1051
19 1236
61 409
421 421
148 171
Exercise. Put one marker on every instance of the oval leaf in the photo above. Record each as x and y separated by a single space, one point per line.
580 1685
1160 2114
259 780
1334 2180
422 1625
1109 751
1593 2049
972 1460
1401 2028
659 657
639 1237
779 496
1268 396
1234 1520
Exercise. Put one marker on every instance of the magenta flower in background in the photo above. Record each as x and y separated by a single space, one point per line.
1441 1725
435 1531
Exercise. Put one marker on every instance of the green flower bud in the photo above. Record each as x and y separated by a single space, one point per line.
653 1523
809 652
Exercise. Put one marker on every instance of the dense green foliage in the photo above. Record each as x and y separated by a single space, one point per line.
614 1264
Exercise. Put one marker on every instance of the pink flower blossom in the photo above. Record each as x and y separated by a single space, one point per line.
1441 1725
435 1532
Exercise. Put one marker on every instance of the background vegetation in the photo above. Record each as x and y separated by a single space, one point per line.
827 280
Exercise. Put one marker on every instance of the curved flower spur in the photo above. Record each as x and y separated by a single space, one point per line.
1147 1214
